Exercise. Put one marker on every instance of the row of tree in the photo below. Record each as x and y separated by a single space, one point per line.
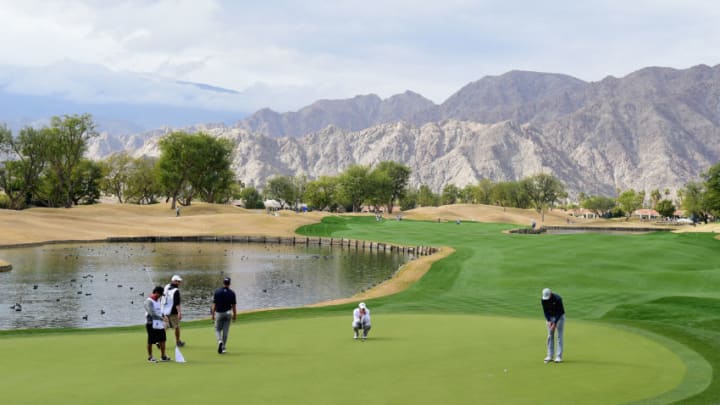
45 167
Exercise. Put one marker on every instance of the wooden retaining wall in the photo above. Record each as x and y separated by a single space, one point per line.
294 240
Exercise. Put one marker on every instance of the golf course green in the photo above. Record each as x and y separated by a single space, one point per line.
643 325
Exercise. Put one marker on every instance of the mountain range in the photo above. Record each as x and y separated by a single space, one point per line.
654 128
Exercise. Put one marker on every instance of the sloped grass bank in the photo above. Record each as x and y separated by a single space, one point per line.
664 283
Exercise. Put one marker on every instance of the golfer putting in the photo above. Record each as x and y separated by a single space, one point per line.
555 317
361 321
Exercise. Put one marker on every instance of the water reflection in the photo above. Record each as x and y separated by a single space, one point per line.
61 285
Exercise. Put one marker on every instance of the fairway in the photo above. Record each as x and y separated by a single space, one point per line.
643 327
418 359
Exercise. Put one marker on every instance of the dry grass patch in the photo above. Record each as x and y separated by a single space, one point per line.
104 220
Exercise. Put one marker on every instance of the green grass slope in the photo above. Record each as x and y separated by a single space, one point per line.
413 359
663 283
643 325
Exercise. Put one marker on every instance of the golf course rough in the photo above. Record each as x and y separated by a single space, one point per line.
408 359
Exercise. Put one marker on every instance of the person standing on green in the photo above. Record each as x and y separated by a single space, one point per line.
223 309
554 311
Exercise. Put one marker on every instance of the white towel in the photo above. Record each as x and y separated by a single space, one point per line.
178 356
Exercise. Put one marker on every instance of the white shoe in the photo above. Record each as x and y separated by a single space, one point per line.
547 359
558 360
355 336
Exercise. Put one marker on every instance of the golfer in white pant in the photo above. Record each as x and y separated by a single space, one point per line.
361 321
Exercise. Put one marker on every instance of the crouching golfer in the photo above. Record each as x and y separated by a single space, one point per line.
154 324
224 304
555 316
361 320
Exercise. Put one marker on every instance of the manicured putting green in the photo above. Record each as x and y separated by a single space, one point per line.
409 359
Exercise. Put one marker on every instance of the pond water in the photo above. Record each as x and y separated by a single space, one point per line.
105 284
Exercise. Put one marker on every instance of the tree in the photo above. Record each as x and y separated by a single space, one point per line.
693 200
117 169
380 189
252 198
712 189
409 200
67 141
20 174
630 200
86 180
354 186
213 178
321 193
450 194
142 184
281 188
426 198
483 190
665 208
194 164
655 196
600 205
509 194
543 190
398 175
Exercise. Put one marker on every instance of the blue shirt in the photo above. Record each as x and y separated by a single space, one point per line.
224 299
553 308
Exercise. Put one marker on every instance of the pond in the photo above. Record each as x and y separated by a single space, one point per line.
105 284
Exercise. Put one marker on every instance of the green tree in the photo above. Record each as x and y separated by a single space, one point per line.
426 198
665 208
630 201
143 186
600 205
712 189
692 200
281 188
321 193
655 196
67 142
27 160
483 191
409 200
213 178
117 169
468 194
86 179
251 198
450 194
379 190
399 176
510 194
195 165
354 186
543 190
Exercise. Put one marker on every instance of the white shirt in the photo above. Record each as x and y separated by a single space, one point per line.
365 318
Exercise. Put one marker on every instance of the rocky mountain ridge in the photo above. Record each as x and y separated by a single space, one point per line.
655 128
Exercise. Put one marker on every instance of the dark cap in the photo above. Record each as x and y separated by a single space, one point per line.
158 290
226 281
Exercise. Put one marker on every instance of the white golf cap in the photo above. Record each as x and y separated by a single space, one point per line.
362 305
546 294
176 278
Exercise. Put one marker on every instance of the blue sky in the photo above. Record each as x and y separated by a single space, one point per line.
286 54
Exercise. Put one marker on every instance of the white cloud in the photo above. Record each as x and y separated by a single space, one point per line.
284 54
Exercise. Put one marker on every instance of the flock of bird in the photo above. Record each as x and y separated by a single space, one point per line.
89 278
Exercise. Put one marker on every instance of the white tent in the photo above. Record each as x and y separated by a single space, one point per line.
272 204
